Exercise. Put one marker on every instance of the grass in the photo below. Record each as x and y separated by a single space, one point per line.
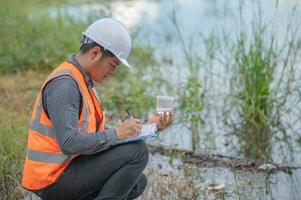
33 39
254 62
190 96
257 59
191 107
17 97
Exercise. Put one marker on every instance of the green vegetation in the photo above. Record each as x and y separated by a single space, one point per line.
254 64
12 136
258 61
17 97
33 39
190 96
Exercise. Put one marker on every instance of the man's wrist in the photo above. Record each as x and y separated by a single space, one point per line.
111 136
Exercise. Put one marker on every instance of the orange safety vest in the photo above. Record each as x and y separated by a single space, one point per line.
45 160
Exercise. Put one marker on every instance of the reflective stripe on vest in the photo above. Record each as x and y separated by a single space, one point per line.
47 157
45 161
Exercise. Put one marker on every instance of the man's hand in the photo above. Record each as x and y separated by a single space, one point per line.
129 129
162 120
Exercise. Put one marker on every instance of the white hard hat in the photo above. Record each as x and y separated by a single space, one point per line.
113 35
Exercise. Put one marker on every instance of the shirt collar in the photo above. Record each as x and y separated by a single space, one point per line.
89 81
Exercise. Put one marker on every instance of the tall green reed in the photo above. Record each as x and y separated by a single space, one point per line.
190 94
257 59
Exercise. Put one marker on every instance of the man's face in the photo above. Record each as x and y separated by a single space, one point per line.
101 67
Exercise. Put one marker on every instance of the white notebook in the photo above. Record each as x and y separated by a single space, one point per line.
147 131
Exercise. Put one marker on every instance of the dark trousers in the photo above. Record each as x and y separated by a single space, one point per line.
115 173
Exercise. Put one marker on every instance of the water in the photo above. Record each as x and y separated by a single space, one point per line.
247 185
150 22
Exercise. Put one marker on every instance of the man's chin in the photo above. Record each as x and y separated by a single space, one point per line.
100 80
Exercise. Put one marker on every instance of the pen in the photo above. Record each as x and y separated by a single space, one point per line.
129 114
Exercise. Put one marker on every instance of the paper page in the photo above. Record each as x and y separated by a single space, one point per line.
147 131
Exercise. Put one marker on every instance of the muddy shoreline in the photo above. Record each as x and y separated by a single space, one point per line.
218 160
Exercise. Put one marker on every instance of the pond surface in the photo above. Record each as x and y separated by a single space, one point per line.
151 23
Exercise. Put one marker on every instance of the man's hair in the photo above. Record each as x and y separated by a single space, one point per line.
84 48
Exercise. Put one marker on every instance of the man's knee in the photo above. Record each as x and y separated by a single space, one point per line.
140 150
137 151
142 147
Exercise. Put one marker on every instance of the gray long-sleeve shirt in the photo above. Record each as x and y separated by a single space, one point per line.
62 103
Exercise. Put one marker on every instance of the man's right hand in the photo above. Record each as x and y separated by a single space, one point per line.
129 129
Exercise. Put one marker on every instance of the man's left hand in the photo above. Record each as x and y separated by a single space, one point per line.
162 120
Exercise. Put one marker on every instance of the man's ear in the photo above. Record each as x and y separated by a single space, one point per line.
95 53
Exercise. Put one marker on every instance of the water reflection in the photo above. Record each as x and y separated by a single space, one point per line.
255 141
132 12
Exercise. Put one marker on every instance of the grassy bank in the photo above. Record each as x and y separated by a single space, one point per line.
17 97
33 42
32 39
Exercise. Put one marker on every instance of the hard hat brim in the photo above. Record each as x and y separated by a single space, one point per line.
124 62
